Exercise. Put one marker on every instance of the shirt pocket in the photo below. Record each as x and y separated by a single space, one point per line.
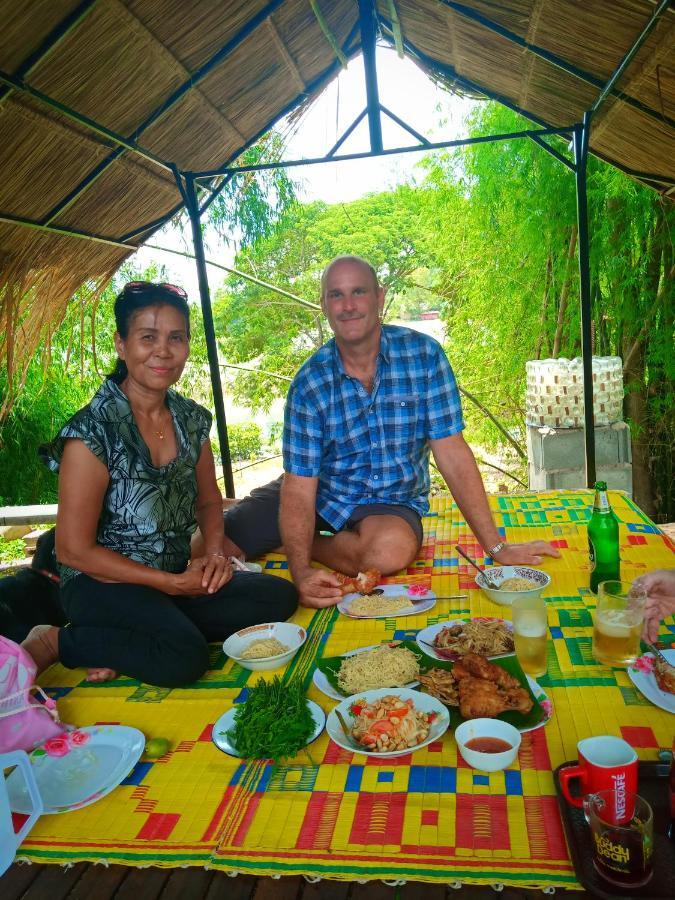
399 417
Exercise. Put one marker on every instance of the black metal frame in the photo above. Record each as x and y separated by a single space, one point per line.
366 26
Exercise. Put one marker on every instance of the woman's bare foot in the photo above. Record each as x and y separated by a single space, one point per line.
101 674
42 645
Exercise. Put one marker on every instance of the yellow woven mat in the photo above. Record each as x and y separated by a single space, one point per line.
424 817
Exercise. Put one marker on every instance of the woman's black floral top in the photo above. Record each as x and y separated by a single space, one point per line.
148 512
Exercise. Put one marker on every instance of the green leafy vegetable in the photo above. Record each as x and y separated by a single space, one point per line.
274 722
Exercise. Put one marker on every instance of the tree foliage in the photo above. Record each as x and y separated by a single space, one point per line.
503 228
258 326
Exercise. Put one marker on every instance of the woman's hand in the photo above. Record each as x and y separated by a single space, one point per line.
204 575
660 588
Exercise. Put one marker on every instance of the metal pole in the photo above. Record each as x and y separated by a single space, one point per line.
581 159
662 8
367 26
192 204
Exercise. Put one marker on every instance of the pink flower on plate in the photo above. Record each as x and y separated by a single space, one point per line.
418 590
644 664
547 706
78 738
57 746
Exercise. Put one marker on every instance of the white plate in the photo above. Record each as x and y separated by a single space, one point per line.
645 682
321 680
423 702
424 604
221 730
84 774
429 633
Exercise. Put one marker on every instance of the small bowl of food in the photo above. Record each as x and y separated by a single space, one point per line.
261 648
513 582
488 744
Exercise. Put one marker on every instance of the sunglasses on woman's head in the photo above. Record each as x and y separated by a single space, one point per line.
137 286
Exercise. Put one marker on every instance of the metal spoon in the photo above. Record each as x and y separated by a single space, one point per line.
422 599
490 583
345 729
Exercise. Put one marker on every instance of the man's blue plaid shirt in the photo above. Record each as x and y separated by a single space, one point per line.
371 448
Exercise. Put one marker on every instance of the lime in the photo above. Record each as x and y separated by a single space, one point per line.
156 747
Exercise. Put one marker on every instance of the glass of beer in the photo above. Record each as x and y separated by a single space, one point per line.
530 634
617 625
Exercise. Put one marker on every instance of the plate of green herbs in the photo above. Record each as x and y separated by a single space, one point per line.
275 722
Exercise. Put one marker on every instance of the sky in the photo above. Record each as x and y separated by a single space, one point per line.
403 89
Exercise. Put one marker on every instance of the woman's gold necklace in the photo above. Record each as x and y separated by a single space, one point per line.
160 432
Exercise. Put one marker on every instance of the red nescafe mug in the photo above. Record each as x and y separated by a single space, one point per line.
606 763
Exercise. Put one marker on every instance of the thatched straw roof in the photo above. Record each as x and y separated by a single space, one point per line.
194 82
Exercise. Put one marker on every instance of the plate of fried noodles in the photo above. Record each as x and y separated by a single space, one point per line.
451 640
389 665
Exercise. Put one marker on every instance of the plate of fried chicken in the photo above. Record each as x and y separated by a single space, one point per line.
478 688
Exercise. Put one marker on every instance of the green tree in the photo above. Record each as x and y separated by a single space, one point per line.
502 226
274 334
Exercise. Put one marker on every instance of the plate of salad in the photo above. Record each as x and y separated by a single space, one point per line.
275 721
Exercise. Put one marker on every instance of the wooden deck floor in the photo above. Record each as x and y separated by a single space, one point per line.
85 881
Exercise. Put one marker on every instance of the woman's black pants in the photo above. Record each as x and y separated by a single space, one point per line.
160 639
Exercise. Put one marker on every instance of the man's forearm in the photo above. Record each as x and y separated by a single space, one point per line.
297 516
466 485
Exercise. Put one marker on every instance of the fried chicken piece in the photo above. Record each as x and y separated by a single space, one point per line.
664 674
363 583
479 667
486 690
479 698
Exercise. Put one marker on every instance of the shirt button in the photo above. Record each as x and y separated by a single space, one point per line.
375 477
402 404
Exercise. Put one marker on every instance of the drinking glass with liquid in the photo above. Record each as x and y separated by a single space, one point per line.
617 624
530 634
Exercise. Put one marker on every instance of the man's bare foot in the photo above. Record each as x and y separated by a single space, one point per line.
42 645
101 674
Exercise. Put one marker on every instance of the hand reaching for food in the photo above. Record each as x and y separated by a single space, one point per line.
362 583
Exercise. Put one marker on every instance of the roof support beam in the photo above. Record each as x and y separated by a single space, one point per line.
367 13
51 42
608 89
553 152
170 101
19 84
581 133
428 145
66 232
189 192
557 61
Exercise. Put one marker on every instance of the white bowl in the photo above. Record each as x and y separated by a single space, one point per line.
487 762
293 636
497 574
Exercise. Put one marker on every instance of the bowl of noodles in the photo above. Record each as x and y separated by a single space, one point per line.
513 582
262 648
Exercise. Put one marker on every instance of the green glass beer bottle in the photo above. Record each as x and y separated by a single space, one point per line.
603 539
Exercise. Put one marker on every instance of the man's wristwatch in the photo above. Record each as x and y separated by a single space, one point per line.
497 548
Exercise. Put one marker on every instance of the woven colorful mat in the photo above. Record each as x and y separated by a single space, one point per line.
424 817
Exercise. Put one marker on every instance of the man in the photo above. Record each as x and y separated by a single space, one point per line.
361 416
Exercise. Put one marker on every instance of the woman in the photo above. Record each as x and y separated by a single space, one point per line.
136 475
